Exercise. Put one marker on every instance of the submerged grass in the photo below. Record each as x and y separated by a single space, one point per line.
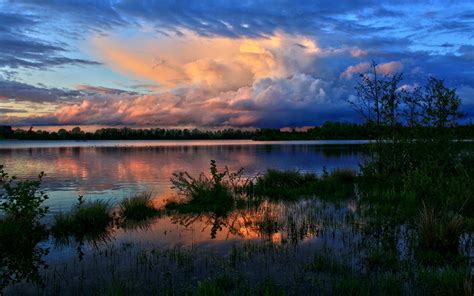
291 184
439 235
90 220
137 208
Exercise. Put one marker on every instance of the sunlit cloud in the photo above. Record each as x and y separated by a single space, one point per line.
217 63
362 68
212 63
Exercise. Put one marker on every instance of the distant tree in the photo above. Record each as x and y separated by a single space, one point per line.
440 105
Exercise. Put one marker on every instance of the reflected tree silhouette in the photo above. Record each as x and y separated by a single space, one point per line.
21 259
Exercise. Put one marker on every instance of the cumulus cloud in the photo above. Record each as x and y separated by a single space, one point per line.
214 63
271 102
218 63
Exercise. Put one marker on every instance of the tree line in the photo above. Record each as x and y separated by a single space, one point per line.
328 131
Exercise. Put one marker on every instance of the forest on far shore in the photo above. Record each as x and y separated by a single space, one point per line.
328 131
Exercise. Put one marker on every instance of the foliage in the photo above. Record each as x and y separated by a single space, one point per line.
20 256
21 199
439 233
276 184
218 193
329 130
137 208
444 281
290 184
87 221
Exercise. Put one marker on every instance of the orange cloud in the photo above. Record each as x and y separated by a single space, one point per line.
386 68
213 63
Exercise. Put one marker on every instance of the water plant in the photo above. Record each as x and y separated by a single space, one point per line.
292 185
439 234
137 208
287 184
87 220
218 193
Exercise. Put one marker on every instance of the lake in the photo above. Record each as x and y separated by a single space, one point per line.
117 169
113 170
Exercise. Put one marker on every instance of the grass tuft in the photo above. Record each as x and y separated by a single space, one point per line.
137 208
88 221
439 235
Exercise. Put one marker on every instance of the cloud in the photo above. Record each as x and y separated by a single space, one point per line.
22 92
20 49
219 63
357 53
212 63
101 90
362 68
10 110
467 51
267 102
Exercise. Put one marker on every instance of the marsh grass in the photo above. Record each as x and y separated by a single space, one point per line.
90 221
136 209
292 185
445 281
289 184
439 235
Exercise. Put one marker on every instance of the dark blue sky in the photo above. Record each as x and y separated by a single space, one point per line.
220 63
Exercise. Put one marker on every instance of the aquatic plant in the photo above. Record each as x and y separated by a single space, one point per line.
87 220
137 208
444 281
439 233
291 184
217 193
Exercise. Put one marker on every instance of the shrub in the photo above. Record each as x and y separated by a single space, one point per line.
21 199
292 184
218 193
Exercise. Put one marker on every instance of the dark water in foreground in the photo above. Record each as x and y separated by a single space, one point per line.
112 170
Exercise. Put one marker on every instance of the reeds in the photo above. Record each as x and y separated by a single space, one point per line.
137 208
89 220
439 233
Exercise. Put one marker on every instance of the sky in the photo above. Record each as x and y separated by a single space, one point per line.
213 64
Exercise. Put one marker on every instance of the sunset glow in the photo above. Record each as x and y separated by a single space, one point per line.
218 64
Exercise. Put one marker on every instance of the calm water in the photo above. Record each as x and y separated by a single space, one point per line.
112 170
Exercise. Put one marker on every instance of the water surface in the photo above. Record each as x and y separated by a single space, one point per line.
112 170
115 169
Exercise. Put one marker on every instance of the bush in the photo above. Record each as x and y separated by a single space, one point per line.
218 193
21 199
